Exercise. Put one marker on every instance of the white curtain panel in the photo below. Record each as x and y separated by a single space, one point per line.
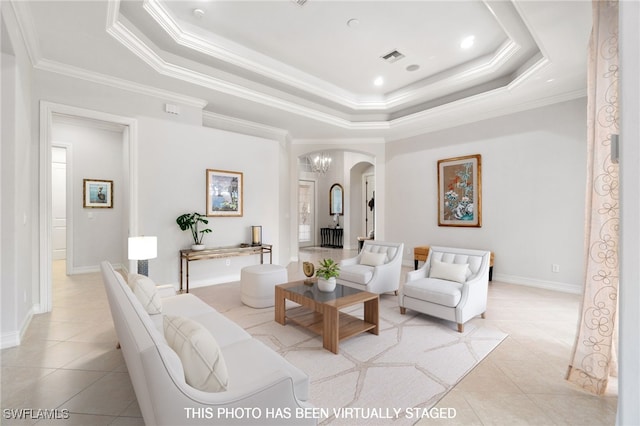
594 355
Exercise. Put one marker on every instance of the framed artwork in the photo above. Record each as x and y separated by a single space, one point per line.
224 193
97 194
460 191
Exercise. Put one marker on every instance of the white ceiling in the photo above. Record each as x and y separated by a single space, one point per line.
278 65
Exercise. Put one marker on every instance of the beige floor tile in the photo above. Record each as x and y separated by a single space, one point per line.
76 419
494 407
52 391
92 401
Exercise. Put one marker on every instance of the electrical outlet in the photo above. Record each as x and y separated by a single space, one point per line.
227 262
555 268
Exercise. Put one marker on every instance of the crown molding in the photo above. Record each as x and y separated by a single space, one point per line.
287 74
22 15
126 37
225 122
118 83
447 116
293 77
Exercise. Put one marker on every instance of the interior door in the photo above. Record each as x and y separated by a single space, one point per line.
370 197
59 203
306 213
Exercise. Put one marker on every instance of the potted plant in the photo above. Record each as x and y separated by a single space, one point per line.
327 273
191 221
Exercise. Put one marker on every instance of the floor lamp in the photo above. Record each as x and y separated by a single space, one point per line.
142 249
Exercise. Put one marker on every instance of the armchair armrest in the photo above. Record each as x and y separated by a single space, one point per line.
417 274
166 290
350 261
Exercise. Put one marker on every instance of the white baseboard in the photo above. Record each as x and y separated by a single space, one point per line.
532 282
13 338
92 269
209 281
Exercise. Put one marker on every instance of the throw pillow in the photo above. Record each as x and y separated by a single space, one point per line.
372 259
202 361
449 271
147 293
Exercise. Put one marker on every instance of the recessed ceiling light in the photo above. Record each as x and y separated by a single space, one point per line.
353 23
467 42
413 67
550 80
379 81
198 13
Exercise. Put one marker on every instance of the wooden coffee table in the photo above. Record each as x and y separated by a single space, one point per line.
320 311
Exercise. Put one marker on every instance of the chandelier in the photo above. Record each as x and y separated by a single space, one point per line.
319 163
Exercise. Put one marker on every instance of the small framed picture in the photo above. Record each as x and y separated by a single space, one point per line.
97 194
224 193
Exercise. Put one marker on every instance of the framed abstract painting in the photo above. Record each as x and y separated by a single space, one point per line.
224 193
460 191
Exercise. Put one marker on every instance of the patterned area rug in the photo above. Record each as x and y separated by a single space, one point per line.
392 378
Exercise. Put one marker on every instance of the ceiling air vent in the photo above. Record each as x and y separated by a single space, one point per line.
299 2
392 56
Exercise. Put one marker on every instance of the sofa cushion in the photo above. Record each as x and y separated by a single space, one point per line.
442 292
251 359
373 259
448 271
202 361
146 292
360 274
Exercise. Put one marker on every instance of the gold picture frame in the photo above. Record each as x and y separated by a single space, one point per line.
460 191
224 193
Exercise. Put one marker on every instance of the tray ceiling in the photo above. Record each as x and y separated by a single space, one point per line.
312 69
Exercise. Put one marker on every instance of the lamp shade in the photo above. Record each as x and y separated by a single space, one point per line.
142 248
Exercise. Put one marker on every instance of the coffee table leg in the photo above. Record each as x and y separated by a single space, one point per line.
371 314
331 329
280 304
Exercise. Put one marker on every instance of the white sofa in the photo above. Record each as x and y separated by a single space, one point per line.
456 291
260 381
375 269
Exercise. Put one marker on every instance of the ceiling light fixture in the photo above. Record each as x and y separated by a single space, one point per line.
319 163
413 67
467 42
379 81
198 13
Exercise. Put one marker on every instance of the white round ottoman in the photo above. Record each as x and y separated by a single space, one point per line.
257 284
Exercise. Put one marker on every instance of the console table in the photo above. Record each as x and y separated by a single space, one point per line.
331 237
189 255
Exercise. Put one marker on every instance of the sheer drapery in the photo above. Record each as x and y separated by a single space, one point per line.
594 355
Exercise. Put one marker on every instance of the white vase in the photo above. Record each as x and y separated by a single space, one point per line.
327 285
197 247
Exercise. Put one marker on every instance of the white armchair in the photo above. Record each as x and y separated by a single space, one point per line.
452 285
375 269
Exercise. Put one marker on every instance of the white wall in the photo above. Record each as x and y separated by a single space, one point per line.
97 154
173 159
533 180
19 264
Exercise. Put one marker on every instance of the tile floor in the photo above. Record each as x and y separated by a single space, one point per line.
68 360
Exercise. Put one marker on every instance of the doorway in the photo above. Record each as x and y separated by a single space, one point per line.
128 149
59 202
306 213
